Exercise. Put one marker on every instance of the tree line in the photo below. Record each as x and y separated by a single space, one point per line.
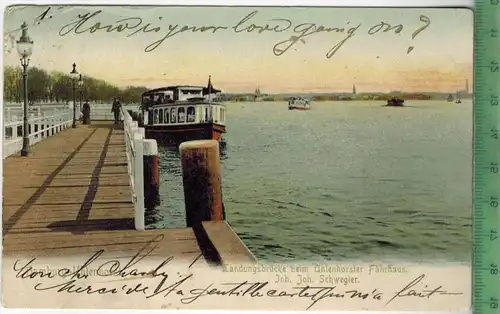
58 87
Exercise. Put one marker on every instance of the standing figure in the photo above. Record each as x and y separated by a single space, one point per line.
86 112
116 110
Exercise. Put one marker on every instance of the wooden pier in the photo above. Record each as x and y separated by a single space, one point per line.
71 196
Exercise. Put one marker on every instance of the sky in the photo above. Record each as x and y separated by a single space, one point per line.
240 60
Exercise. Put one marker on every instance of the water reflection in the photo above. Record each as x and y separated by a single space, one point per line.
171 212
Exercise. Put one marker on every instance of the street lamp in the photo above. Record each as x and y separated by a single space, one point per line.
80 89
25 48
74 75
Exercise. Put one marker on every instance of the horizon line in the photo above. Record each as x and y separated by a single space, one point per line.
122 87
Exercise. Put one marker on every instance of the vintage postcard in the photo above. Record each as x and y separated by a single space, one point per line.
260 158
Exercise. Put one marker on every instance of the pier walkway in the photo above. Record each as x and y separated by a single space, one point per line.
73 196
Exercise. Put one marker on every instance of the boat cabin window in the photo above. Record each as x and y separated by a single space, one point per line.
161 116
159 99
167 116
155 121
191 92
173 116
148 100
206 115
190 114
181 115
164 99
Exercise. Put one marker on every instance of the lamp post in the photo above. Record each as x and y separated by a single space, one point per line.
25 48
74 75
80 89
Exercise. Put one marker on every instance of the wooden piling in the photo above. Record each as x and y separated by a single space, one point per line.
151 174
201 173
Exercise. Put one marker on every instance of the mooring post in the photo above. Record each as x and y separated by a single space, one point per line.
201 173
151 174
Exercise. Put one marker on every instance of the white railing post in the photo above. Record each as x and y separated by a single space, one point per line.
31 128
14 128
133 130
127 145
134 146
42 126
139 182
37 126
53 122
56 121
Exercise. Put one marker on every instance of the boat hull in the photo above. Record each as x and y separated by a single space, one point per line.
176 134
298 108
395 103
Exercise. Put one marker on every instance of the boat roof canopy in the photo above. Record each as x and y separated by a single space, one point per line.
205 90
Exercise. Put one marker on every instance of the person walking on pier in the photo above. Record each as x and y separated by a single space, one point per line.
116 110
86 112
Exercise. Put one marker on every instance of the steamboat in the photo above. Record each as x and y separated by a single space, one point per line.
175 114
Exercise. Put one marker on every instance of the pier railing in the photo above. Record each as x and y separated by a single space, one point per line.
41 124
142 163
98 111
102 112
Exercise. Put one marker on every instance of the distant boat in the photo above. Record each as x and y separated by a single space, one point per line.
458 101
395 102
450 98
298 103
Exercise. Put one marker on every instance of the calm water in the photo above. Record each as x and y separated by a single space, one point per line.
345 180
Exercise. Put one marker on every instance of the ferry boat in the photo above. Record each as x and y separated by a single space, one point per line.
298 103
175 114
395 102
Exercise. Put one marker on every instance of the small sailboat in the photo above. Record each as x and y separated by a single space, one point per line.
458 101
450 98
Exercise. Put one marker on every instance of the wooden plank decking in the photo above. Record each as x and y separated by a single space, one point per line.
71 196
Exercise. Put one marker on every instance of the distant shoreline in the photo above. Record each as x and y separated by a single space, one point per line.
337 97
337 100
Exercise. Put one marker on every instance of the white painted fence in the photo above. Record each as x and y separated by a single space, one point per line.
134 142
41 124
98 111
102 112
